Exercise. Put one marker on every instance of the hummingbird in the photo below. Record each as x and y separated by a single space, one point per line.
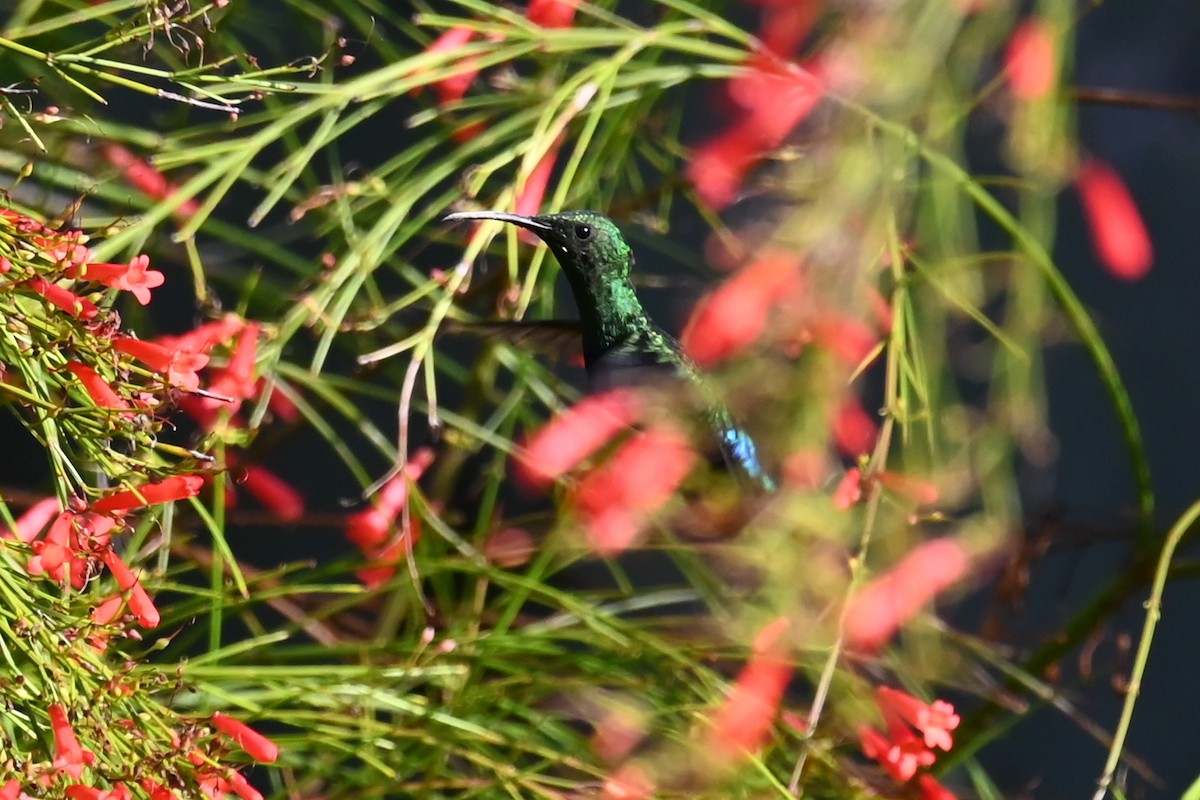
622 345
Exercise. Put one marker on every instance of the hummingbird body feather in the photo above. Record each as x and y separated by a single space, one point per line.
622 346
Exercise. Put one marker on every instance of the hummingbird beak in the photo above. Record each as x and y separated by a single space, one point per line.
530 223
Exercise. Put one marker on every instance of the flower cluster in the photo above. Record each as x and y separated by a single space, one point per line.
95 383
374 530
614 499
69 770
901 751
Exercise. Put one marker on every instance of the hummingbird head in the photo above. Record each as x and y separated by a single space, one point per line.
587 244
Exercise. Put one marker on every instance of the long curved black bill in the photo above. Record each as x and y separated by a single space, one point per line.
532 223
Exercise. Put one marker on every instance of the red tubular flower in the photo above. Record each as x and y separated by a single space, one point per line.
385 559
53 555
282 499
850 339
934 720
135 277
885 604
97 388
176 487
577 433
922 492
257 746
107 611
180 366
901 755
157 791
1030 62
237 378
1118 233
614 499
854 430
204 337
242 787
786 23
777 95
139 601
146 178
849 490
932 790
736 313
530 198
80 792
630 782
212 785
280 404
64 299
69 756
552 13
30 524
454 87
744 720
370 528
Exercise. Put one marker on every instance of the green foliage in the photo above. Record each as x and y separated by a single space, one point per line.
289 163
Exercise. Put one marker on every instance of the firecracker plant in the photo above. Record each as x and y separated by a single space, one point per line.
230 313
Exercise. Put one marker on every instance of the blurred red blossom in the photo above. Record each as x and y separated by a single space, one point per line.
373 530
854 430
552 13
932 790
881 607
257 746
455 86
529 200
920 491
10 790
849 338
35 518
614 499
242 787
743 721
279 497
1118 233
577 433
204 337
736 313
786 23
1030 59
630 782
776 95
849 490
146 178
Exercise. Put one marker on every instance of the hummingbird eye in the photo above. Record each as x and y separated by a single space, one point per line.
583 232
